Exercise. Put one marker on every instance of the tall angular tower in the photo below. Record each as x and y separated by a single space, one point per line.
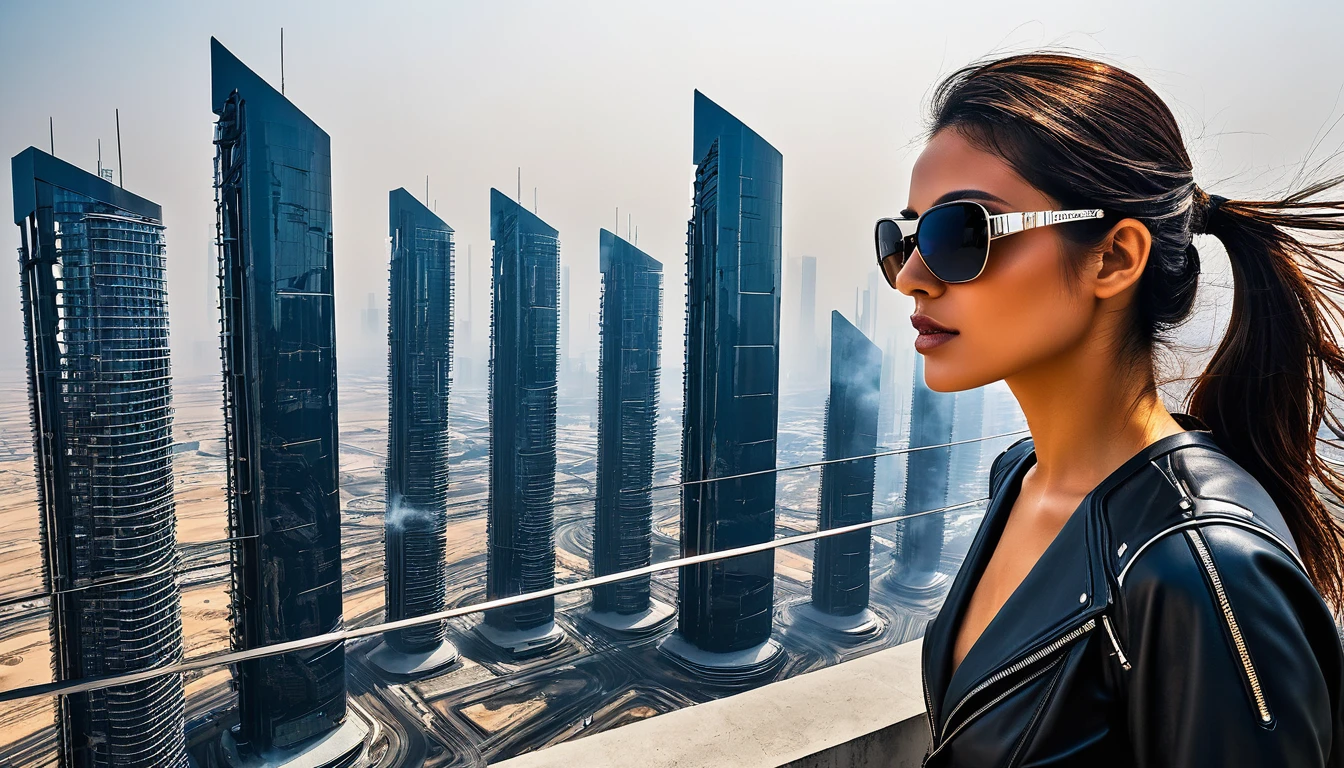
807 316
95 312
840 567
627 412
420 347
523 338
278 332
926 487
733 265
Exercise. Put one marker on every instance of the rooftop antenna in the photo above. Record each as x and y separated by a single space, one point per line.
629 222
426 189
636 236
282 61
100 158
51 126
618 219
121 170
534 200
519 198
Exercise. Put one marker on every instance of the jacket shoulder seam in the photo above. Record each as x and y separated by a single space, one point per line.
1199 522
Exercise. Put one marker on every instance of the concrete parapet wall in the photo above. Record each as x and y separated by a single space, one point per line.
862 713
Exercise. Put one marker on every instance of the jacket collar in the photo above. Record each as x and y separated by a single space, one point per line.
1066 586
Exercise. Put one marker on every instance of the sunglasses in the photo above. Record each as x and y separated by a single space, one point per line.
953 238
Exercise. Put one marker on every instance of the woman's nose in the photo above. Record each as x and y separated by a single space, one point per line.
915 276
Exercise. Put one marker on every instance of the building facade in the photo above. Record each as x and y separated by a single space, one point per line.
95 311
920 550
523 350
627 414
273 193
840 565
732 383
420 350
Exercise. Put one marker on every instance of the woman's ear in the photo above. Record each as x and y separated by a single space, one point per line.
1124 254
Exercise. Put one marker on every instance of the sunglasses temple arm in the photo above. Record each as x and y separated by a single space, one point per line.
1001 224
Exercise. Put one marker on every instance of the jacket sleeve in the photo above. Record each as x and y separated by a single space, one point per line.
1235 658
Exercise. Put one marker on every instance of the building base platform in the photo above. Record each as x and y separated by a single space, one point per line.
634 625
521 643
394 662
857 626
916 584
337 748
732 668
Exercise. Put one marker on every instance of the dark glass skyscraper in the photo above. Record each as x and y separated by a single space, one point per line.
273 192
926 485
95 311
523 338
732 383
420 339
840 573
627 413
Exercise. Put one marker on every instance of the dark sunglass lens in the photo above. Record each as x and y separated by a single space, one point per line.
954 241
888 240
891 267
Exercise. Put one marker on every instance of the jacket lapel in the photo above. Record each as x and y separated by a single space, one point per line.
1055 596
939 635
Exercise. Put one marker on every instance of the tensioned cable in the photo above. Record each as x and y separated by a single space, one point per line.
66 688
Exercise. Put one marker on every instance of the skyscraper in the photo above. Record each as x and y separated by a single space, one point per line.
807 312
95 313
521 537
420 340
926 487
627 408
731 413
273 192
840 567
564 322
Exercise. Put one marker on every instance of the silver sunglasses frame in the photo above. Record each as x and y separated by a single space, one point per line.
1000 225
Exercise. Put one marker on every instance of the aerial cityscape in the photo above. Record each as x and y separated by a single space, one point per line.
267 509
96 318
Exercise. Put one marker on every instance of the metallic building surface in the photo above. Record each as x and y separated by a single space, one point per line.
840 566
273 192
627 408
731 414
420 346
95 313
926 483
523 338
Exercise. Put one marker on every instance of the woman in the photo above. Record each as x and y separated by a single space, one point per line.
1147 588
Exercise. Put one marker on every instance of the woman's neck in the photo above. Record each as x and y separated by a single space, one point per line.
1087 416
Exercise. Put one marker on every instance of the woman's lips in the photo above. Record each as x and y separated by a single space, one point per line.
931 333
926 341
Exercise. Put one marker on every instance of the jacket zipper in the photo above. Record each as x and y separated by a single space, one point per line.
1003 695
1106 619
1023 663
928 706
1232 625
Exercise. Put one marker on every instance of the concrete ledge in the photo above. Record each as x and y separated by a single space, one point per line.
863 713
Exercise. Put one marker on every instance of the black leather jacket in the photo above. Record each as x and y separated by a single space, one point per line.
1169 623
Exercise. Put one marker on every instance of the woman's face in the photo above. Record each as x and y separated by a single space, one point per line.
1023 309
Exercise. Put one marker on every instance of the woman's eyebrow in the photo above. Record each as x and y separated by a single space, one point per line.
969 194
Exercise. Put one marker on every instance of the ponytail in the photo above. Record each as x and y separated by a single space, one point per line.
1264 393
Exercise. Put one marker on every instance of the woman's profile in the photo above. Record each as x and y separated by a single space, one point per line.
1147 587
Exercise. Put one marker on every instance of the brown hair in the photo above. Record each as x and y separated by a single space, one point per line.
1091 135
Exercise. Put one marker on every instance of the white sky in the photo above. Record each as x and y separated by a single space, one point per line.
593 101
